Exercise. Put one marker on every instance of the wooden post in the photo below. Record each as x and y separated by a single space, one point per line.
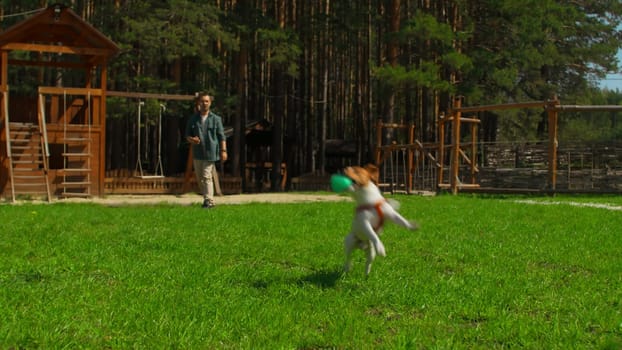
188 173
455 150
4 70
409 151
4 134
552 107
378 141
441 150
99 119
473 151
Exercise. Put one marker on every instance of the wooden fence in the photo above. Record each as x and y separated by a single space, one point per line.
123 181
594 167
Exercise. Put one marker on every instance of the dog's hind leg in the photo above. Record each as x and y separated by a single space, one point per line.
371 255
349 244
373 238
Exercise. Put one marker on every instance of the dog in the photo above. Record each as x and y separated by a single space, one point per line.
371 212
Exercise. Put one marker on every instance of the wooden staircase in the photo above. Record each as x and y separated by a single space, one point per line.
28 161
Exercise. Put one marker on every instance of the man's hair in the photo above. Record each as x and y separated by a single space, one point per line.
201 95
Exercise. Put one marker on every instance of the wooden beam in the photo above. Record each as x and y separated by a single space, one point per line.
85 51
51 90
77 65
562 108
150 95
465 120
537 104
461 186
546 105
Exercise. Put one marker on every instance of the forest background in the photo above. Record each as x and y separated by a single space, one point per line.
319 70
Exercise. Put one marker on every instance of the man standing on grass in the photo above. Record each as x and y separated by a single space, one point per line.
206 133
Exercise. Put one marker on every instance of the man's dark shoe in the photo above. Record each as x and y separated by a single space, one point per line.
206 204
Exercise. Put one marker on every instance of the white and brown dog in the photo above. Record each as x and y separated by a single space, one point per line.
371 212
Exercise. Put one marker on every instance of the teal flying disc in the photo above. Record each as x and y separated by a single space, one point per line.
340 183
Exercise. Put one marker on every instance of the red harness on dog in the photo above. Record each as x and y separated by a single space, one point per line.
376 207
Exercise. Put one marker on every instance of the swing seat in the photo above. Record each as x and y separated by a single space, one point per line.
150 177
159 174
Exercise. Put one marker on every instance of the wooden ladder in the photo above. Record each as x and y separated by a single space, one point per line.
77 156
77 167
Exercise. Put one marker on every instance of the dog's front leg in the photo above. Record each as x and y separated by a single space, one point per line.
411 225
401 221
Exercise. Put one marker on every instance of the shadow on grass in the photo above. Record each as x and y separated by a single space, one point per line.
324 278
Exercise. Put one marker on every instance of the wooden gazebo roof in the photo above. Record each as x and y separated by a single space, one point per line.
58 29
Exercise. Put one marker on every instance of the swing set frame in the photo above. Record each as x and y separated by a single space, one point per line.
466 153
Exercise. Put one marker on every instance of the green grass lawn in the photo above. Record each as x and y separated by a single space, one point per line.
483 272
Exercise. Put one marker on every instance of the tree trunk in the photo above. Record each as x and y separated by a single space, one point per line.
278 108
393 14
327 62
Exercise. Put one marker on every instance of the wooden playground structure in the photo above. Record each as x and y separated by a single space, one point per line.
452 162
52 142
